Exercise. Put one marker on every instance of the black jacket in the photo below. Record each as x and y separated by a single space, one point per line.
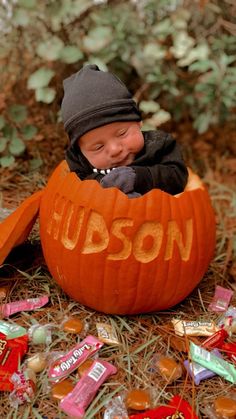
158 165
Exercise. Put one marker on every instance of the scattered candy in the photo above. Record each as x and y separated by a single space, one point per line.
194 328
61 389
23 305
67 363
176 409
107 334
83 368
221 299
75 403
213 363
138 400
3 292
24 386
230 350
12 330
167 367
37 362
11 353
73 325
40 334
197 372
230 312
225 406
216 340
116 409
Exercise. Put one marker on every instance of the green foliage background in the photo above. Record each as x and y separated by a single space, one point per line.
176 56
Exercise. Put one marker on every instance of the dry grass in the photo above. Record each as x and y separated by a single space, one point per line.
140 336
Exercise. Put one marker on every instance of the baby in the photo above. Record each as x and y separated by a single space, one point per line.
103 123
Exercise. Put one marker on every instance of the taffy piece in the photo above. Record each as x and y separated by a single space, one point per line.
40 334
23 305
75 403
138 399
83 368
221 299
73 325
167 367
67 363
194 328
116 409
61 389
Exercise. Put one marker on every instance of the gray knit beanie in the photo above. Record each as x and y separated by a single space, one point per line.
93 98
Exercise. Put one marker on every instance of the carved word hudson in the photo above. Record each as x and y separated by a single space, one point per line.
76 226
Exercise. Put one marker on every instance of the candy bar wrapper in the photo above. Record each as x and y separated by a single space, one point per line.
197 372
67 363
176 409
75 403
23 305
11 353
221 299
230 350
12 330
24 386
213 363
107 334
194 328
216 340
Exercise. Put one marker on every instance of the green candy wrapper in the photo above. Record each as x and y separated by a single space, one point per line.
211 362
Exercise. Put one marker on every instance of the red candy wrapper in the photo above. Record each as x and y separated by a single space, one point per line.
230 350
216 340
11 353
75 403
176 409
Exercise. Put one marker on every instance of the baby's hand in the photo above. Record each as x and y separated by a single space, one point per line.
122 178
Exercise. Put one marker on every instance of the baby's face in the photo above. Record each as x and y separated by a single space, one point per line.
112 145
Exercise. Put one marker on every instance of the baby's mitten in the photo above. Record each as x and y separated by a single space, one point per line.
122 178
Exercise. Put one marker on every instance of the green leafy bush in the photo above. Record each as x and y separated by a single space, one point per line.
177 57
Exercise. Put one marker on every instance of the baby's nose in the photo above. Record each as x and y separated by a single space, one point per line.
115 148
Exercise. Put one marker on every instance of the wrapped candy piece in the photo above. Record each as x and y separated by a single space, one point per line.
223 407
24 386
221 299
167 367
194 328
197 372
37 362
40 334
213 363
216 340
23 305
75 403
12 330
116 409
61 389
176 409
67 363
230 350
106 334
83 368
138 399
73 325
11 353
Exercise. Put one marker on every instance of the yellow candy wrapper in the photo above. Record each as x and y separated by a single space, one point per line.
107 334
194 328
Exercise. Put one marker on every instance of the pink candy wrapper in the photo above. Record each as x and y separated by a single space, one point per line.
65 364
221 299
23 305
75 403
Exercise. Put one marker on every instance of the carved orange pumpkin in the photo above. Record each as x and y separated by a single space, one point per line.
120 255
